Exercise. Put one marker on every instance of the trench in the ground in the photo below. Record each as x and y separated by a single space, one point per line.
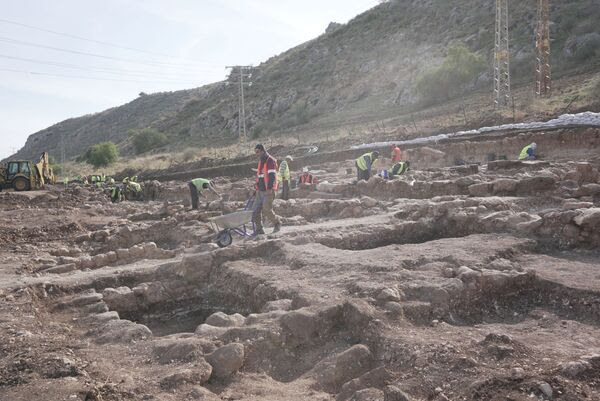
166 237
180 316
410 232
514 302
179 306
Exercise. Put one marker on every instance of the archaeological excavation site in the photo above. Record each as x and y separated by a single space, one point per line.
474 276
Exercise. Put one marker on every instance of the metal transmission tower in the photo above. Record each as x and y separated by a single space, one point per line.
542 47
501 56
238 73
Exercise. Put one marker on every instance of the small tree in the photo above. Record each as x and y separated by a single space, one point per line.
460 68
147 139
102 154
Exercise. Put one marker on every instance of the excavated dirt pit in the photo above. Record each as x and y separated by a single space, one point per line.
170 315
451 283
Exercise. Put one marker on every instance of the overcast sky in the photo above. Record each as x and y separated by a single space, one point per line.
173 44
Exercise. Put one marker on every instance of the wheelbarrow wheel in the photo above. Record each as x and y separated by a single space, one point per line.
224 239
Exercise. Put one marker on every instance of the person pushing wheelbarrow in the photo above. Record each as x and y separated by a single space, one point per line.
266 187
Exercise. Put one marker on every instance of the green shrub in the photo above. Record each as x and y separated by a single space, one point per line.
147 139
460 68
102 154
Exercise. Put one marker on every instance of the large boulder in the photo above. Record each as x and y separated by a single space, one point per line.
181 350
121 299
481 189
206 330
333 372
352 363
378 377
227 360
220 319
589 219
299 326
199 374
505 186
122 331
536 184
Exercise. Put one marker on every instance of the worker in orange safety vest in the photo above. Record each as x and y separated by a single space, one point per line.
266 187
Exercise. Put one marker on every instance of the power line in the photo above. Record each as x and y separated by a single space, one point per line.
94 78
94 69
91 40
60 49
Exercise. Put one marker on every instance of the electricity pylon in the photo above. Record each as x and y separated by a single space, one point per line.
238 73
542 47
501 56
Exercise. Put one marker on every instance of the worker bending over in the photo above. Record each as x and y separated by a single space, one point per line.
284 176
528 152
364 165
133 190
197 187
266 185
399 168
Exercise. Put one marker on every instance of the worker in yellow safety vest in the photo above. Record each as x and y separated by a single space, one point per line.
364 165
528 152
285 177
399 169
197 187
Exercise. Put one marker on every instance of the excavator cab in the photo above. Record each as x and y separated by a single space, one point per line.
24 175
21 175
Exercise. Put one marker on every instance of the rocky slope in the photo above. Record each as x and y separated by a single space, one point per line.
367 65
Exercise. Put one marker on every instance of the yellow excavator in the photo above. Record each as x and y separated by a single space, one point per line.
25 175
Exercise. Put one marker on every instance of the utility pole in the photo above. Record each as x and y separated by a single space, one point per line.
238 73
542 47
501 56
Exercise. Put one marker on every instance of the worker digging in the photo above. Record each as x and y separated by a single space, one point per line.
198 186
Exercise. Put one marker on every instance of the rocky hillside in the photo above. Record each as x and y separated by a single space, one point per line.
366 65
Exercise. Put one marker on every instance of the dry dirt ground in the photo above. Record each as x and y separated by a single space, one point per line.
471 282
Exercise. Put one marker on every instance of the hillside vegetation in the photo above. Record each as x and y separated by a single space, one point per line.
370 65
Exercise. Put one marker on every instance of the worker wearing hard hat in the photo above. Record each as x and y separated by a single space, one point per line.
528 152
284 177
364 165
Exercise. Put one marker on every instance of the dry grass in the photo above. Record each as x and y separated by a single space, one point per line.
568 94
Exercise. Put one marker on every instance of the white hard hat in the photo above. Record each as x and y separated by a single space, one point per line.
534 145
305 169
290 158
